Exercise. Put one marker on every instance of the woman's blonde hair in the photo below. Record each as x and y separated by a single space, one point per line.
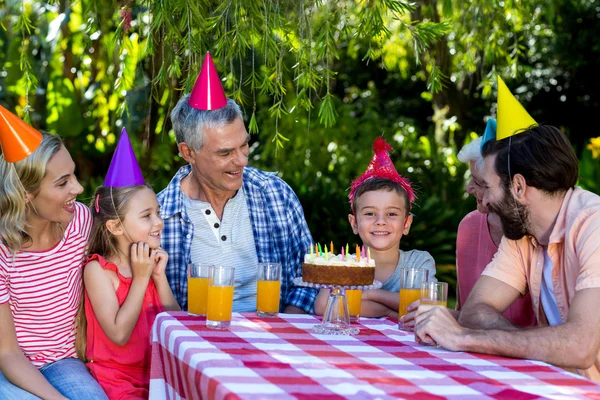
109 203
18 178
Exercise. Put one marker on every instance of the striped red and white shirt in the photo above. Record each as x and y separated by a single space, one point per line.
43 289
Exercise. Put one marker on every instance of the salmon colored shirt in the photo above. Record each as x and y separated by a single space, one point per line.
474 251
574 248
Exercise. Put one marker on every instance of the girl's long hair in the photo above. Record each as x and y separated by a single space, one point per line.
109 203
17 179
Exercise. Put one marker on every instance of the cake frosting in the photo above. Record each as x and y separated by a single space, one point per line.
333 270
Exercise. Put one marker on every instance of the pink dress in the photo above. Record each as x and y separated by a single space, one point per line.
474 251
122 371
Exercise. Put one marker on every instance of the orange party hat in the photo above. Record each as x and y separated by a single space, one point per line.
208 92
17 138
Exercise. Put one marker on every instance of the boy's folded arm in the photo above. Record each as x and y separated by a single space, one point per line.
116 321
389 299
374 309
321 301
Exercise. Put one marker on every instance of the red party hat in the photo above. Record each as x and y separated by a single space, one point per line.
381 166
17 139
208 93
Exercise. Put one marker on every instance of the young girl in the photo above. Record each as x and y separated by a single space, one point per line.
125 287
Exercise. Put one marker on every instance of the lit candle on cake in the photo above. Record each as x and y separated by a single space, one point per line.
357 253
368 254
331 247
311 249
343 259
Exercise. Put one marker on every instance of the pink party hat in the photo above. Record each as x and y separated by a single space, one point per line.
124 169
208 93
381 166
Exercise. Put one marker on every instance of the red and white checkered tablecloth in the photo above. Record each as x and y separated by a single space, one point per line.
282 358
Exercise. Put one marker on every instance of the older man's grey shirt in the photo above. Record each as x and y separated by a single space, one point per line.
410 259
228 242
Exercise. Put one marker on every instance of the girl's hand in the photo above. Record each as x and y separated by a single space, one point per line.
160 258
142 260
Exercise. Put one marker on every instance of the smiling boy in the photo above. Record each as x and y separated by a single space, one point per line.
381 201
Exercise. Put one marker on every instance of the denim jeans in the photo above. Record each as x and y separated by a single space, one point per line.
69 376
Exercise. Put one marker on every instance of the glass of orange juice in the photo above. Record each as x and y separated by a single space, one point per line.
268 286
197 288
434 293
410 290
354 296
220 297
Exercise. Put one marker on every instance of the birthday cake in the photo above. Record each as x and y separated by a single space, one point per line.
338 270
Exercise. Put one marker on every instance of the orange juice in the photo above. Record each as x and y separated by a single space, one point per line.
267 296
220 301
354 300
407 297
197 291
430 302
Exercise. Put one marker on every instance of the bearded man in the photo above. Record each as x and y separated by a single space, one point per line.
551 249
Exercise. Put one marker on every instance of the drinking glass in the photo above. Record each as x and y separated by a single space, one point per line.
434 293
197 288
410 283
220 297
268 287
354 296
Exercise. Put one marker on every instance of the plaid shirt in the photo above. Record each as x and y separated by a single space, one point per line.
280 233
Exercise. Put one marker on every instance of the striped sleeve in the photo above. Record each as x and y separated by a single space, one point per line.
4 296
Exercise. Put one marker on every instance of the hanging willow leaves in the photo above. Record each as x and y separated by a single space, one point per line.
251 41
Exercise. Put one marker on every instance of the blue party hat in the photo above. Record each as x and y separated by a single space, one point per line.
490 132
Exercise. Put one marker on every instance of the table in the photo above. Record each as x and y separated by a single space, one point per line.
281 358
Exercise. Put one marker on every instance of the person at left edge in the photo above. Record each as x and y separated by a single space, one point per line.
44 233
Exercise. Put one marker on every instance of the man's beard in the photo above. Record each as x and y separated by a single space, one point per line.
514 217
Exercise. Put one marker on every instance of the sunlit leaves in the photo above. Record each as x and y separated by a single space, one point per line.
327 113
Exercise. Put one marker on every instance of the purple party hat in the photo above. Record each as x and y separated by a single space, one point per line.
124 169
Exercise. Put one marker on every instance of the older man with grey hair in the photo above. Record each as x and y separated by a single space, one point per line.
479 235
219 211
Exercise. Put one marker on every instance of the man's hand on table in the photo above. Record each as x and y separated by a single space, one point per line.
437 325
408 320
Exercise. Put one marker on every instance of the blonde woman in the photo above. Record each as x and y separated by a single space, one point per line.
44 233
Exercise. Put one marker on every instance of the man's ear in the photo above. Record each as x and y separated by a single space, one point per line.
353 224
187 152
519 186
115 227
407 224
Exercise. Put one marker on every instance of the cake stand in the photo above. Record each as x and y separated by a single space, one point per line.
336 320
